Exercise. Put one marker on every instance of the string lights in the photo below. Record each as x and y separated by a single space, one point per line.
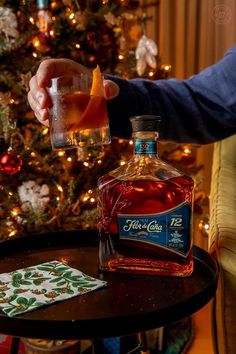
204 226
92 32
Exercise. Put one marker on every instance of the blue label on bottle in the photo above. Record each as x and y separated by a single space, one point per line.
169 229
145 147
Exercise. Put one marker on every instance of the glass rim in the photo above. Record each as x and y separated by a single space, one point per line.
70 82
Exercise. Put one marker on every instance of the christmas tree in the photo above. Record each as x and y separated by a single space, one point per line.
41 189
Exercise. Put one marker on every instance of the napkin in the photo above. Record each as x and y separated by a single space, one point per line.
29 288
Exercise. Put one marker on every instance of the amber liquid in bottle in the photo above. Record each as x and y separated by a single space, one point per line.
145 210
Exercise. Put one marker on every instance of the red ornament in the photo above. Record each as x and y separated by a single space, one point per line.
10 162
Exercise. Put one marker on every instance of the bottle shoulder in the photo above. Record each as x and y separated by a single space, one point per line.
146 167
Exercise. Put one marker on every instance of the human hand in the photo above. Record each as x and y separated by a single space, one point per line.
38 97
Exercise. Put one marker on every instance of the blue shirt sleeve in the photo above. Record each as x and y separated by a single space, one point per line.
201 109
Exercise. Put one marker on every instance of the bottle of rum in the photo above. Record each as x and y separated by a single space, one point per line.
145 210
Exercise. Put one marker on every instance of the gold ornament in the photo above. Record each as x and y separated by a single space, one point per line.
5 99
204 226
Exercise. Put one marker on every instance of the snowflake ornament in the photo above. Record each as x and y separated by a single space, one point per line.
111 19
145 54
33 196
8 22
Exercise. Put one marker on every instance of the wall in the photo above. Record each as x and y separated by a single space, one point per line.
191 35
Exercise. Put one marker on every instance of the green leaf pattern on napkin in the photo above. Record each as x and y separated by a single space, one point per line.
26 289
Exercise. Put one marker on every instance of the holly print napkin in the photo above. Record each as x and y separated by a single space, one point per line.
29 288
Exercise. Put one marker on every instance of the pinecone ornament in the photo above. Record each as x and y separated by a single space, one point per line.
145 54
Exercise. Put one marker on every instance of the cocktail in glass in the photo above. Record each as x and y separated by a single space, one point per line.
78 113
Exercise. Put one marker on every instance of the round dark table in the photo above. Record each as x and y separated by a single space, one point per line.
129 304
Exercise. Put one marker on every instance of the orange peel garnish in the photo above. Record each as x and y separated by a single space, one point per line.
97 83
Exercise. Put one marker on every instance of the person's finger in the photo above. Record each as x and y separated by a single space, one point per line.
38 96
42 117
50 68
111 89
40 113
39 101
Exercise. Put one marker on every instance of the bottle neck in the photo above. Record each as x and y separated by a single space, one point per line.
145 143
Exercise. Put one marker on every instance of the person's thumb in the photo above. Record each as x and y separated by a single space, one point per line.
111 89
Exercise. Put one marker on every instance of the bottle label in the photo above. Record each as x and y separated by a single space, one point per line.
145 147
169 229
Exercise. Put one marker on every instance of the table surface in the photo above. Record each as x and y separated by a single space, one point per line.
129 304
